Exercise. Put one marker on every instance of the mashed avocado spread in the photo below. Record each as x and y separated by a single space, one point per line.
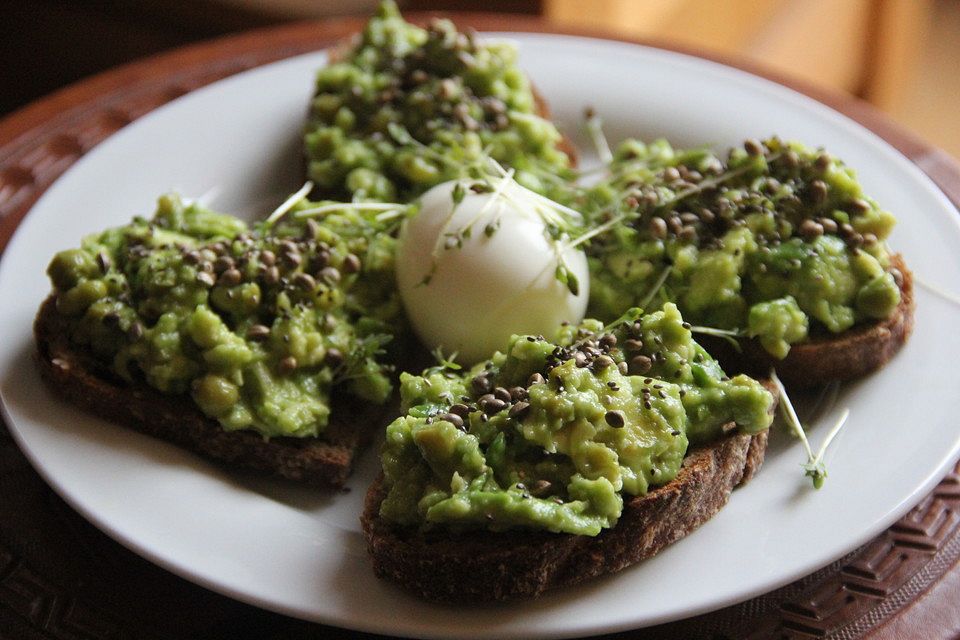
406 108
778 242
552 434
257 326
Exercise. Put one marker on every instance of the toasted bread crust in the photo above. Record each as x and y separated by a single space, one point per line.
851 354
480 565
76 377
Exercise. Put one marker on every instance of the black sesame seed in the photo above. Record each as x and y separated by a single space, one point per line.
897 276
493 406
223 263
258 332
311 230
321 259
519 410
818 191
460 409
104 262
334 357
602 362
453 419
640 364
229 278
305 281
658 228
615 419
540 488
810 229
518 393
753 147
288 364
481 384
330 275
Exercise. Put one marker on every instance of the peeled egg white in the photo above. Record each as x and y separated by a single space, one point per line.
490 287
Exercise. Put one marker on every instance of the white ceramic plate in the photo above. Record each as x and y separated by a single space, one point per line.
300 552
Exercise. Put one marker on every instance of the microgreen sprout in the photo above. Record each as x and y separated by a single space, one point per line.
289 203
943 293
655 289
603 228
814 467
565 275
444 363
367 349
630 315
730 335
314 212
594 126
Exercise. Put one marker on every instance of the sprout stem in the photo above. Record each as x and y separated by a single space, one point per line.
289 203
348 206
655 288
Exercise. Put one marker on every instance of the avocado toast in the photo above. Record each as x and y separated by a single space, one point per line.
775 253
263 348
556 461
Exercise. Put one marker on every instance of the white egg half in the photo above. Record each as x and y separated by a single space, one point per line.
471 298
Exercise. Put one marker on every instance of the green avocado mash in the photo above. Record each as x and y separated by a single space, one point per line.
406 108
777 243
553 434
257 326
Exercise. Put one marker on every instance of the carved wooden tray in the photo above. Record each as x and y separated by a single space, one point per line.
61 578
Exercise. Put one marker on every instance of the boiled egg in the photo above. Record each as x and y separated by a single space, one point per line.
477 264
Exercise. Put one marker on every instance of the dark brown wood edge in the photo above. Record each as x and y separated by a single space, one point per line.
874 584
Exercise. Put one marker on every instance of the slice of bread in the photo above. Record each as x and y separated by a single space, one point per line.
476 566
825 358
79 378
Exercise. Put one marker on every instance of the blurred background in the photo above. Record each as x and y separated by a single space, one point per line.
902 56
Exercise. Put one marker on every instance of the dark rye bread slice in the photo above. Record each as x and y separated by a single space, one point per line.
77 377
479 565
825 358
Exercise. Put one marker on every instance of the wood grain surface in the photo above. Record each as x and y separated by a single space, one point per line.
61 578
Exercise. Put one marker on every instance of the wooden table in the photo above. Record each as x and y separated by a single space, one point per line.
61 578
